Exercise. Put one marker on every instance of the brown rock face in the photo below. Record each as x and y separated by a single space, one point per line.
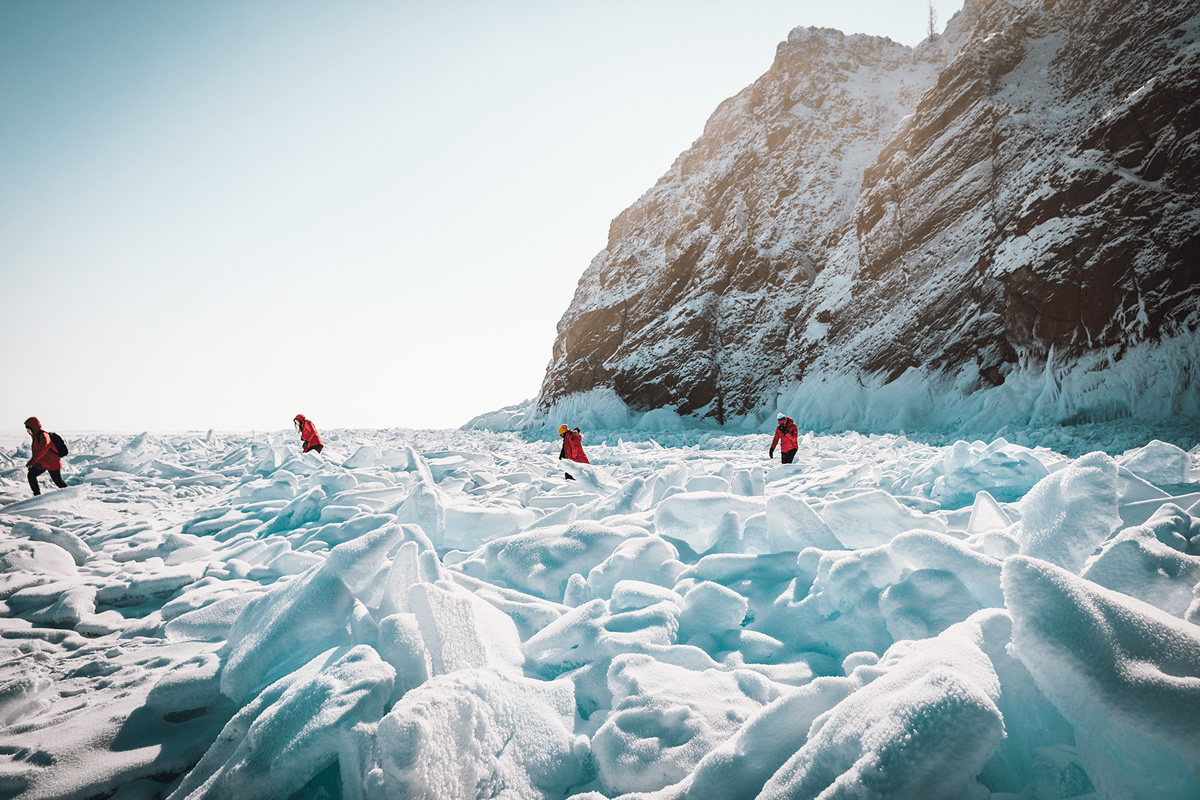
1022 188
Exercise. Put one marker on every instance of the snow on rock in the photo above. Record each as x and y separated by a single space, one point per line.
992 228
197 614
1126 674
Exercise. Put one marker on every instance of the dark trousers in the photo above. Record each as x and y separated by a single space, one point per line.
55 475
788 455
318 448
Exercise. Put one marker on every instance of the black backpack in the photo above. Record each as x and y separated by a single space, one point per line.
59 445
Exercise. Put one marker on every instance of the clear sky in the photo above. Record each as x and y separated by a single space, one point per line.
219 213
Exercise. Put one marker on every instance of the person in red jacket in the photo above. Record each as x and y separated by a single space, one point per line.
572 447
45 457
308 434
785 437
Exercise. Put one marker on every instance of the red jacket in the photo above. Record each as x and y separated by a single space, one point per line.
785 436
44 454
308 432
572 448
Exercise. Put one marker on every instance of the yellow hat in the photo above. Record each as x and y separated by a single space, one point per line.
562 429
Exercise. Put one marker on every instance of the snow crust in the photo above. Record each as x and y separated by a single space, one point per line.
441 614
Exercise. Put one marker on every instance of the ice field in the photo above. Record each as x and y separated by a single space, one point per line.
441 614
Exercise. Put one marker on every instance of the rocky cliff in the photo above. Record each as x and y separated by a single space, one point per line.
1001 224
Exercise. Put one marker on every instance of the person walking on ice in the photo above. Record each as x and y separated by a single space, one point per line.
785 437
308 434
46 456
572 447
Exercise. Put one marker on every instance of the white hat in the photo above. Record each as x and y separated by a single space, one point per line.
780 415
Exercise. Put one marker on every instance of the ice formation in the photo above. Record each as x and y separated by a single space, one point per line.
444 615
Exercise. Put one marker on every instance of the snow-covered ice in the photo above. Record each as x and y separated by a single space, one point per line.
440 614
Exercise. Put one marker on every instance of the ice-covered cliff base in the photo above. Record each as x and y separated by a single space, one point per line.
442 614
1149 387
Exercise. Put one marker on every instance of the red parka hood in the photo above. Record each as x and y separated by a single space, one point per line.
33 424
300 418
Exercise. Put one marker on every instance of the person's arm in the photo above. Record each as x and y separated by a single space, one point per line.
774 442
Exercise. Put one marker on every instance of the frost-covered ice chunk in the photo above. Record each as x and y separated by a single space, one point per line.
305 508
925 602
278 632
649 559
38 532
540 561
364 456
1069 513
24 691
402 645
335 533
839 613
793 525
708 483
423 506
663 721
978 574
924 729
1126 674
282 485
478 733
710 610
987 515
211 622
461 631
562 515
1003 470
25 563
590 477
1151 562
284 628
873 518
592 633
67 610
696 517
1160 463
738 768
190 684
469 525
1133 489
633 497
296 728
749 482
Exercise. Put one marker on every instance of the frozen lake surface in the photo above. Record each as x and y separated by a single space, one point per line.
440 614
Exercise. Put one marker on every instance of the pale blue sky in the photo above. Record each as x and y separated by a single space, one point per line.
219 214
